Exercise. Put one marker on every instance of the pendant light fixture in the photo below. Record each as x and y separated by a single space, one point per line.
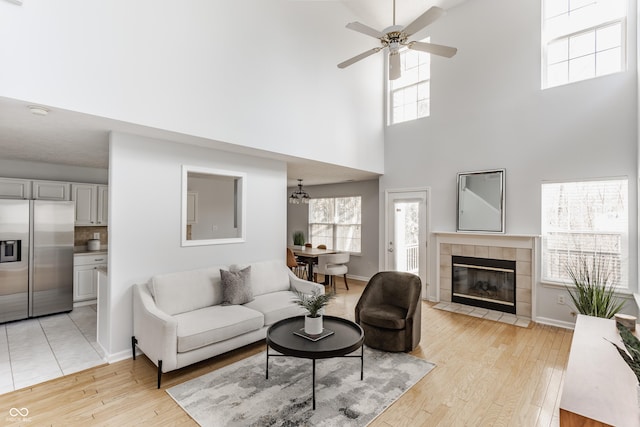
299 195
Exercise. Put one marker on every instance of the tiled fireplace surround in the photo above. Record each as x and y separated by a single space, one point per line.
520 249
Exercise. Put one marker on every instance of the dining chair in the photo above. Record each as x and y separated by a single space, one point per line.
332 265
298 267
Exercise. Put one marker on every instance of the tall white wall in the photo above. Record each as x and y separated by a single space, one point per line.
144 220
256 73
488 111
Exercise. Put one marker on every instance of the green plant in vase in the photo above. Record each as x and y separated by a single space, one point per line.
313 303
594 292
298 238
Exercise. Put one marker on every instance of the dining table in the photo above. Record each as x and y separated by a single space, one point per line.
310 256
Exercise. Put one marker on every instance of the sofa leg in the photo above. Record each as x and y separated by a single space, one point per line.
134 341
345 282
159 372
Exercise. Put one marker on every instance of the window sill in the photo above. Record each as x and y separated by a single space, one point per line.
622 292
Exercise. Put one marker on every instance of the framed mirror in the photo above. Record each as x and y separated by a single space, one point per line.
213 206
481 201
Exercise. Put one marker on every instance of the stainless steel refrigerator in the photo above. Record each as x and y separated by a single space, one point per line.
36 258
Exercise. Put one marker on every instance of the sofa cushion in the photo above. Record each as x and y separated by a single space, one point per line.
384 316
269 276
236 286
209 325
186 290
276 306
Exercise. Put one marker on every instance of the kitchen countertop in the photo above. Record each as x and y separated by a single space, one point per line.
80 250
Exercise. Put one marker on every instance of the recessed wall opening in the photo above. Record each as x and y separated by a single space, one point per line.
484 282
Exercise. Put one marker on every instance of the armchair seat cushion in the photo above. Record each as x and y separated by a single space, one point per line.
213 324
384 316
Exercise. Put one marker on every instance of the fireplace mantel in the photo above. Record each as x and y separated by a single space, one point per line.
488 239
522 248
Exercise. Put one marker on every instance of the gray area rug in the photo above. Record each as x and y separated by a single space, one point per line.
239 394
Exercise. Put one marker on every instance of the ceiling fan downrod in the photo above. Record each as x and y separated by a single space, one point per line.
394 13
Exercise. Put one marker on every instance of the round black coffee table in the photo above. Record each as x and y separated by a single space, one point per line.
346 338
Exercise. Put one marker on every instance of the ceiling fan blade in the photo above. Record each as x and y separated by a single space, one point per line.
357 58
434 49
423 20
394 66
364 29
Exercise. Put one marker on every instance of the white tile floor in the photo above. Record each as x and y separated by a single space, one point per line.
483 313
37 350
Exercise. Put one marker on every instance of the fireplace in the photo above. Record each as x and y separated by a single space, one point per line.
484 282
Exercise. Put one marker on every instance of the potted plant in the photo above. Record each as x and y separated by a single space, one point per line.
632 355
313 303
594 290
298 238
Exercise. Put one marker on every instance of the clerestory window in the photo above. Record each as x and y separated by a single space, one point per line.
582 39
409 96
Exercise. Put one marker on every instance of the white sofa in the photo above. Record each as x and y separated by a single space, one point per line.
179 318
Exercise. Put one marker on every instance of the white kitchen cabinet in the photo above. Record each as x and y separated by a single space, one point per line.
85 275
15 188
92 203
103 205
51 190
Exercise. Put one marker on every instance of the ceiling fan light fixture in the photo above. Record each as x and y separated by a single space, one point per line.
299 195
395 37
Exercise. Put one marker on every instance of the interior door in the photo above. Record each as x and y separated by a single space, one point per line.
406 232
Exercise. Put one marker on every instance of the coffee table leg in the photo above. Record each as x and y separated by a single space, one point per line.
361 363
313 379
267 370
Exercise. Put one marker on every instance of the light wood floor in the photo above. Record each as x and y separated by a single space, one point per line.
487 373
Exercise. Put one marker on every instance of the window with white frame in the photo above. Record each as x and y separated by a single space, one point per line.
336 223
582 39
409 95
582 220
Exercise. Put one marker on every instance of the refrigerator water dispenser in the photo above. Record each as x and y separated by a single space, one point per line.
10 251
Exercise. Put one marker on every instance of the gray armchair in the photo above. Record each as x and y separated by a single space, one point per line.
389 311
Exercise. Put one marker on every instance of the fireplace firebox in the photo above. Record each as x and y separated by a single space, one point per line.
484 282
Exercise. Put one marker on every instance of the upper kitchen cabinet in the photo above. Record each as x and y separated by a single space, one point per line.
103 205
92 204
51 190
15 188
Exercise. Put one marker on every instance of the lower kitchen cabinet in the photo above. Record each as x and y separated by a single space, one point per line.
85 275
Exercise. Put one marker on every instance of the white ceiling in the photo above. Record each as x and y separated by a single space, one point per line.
378 14
71 138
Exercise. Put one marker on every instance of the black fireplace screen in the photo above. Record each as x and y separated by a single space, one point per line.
484 282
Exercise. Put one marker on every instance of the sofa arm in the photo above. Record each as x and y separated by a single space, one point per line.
304 286
155 331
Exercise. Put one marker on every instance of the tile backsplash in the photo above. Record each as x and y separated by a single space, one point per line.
82 234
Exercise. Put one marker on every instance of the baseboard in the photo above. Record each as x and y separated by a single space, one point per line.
83 303
361 278
554 322
121 355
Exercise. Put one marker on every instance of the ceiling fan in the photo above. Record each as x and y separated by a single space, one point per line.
396 36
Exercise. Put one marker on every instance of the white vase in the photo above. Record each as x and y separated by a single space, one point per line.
313 325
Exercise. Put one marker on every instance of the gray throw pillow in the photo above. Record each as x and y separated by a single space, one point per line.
236 286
